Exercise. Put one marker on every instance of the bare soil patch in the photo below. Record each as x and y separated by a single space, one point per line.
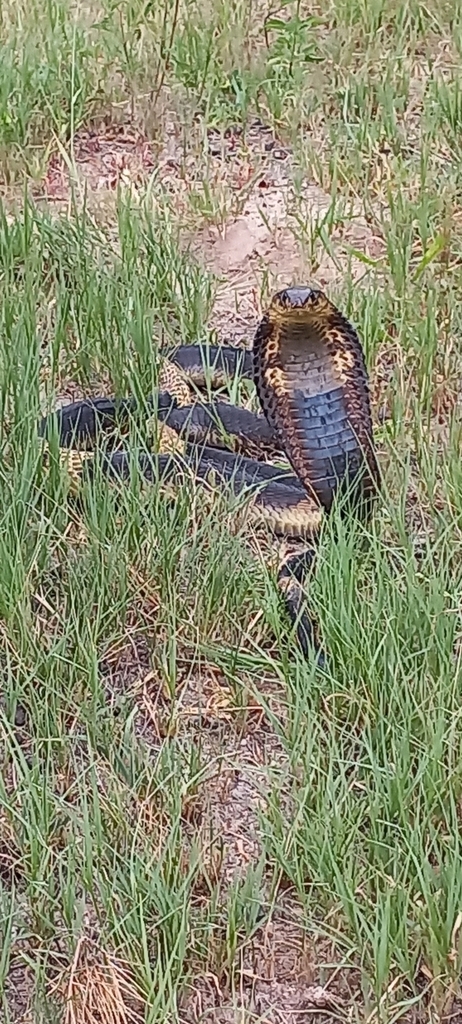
265 229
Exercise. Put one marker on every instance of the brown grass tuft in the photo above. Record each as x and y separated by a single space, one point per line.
98 988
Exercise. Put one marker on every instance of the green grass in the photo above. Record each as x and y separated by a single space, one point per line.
146 662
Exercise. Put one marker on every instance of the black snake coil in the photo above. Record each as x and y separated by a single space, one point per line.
309 370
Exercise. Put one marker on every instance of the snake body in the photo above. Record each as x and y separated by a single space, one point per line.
310 375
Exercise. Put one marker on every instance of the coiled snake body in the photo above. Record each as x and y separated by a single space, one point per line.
310 375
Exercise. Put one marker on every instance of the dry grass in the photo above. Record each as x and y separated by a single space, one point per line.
98 988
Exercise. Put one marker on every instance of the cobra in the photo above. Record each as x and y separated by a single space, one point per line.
309 370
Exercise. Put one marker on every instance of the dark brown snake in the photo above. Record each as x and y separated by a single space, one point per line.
310 375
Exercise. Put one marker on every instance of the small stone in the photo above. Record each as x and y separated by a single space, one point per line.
20 716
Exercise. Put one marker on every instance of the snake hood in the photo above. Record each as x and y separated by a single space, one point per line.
311 380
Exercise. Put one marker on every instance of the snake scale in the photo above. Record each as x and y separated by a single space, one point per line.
309 371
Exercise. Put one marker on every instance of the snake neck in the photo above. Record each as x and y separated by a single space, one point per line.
311 379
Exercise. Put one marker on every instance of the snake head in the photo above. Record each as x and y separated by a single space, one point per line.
302 300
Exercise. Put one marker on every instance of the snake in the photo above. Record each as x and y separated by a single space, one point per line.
308 367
